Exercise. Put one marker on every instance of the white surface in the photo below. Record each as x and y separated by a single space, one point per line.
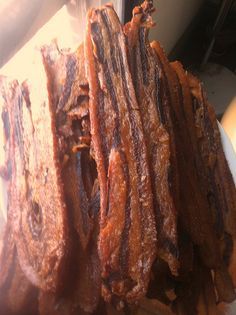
172 18
67 25
20 20
220 84
230 154
59 27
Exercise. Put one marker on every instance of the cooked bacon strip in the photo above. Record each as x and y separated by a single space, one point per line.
66 72
210 248
211 215
208 189
221 191
127 241
220 188
187 207
149 87
205 234
37 201
208 223
78 173
195 216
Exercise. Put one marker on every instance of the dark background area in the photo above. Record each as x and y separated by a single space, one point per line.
192 49
192 46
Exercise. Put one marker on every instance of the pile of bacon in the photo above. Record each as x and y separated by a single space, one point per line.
118 187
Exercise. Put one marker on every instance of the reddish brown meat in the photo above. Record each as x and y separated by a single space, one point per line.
212 215
221 190
69 93
127 241
37 199
149 87
70 100
195 216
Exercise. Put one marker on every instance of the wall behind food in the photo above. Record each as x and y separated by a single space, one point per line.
172 18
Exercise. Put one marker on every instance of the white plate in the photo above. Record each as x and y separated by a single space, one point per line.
229 152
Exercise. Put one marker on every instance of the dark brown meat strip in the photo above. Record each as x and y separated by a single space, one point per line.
37 199
221 188
78 173
127 241
221 191
208 186
149 87
66 72
195 216
212 214
205 230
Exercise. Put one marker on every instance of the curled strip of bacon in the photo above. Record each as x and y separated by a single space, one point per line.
127 240
154 108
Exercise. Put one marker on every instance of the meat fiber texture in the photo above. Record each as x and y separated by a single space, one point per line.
118 186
